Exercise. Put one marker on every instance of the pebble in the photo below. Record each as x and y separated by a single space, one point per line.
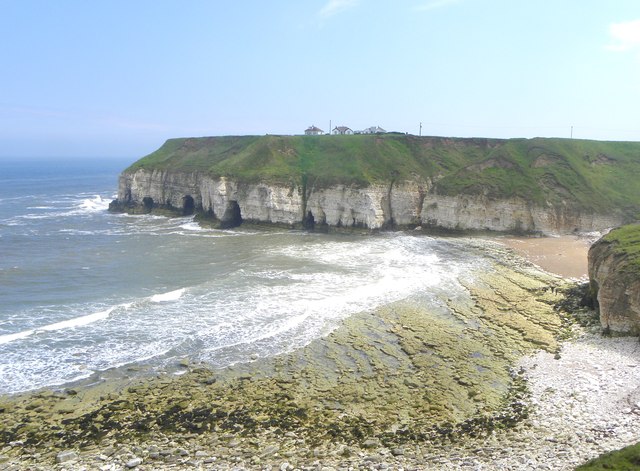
108 451
270 450
234 443
133 463
371 443
65 456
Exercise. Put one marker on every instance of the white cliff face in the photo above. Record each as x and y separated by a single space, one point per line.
346 206
164 188
408 203
507 215
476 212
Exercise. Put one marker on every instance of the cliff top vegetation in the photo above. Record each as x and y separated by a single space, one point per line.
626 242
593 175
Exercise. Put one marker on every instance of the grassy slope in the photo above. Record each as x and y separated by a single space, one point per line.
622 460
594 175
626 240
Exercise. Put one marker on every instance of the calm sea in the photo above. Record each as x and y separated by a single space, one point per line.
83 291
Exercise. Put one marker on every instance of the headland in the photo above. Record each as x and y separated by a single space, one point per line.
527 186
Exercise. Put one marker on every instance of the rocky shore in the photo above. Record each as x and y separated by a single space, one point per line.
502 377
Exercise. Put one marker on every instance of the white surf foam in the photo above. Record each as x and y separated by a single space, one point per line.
191 226
17 336
78 321
66 324
95 204
166 297
76 206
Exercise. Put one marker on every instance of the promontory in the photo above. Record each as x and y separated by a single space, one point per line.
390 180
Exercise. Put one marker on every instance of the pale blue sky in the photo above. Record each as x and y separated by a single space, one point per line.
117 78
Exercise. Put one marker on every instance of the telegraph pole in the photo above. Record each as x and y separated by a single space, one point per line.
571 132
420 133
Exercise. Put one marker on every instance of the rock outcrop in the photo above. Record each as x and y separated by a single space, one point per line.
614 274
396 204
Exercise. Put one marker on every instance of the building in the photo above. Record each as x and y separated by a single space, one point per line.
313 131
372 130
341 130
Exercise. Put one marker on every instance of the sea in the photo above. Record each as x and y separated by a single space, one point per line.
84 292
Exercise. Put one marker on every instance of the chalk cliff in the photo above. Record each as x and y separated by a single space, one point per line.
392 180
401 204
614 274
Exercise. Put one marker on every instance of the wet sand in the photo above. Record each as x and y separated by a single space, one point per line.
564 255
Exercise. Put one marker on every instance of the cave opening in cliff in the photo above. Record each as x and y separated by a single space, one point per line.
309 222
188 205
232 215
147 203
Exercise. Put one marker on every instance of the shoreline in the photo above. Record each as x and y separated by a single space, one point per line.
395 388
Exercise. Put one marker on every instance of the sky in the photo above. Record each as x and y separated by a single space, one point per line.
116 78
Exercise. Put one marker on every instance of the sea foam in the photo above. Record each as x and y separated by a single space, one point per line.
78 321
66 324
97 203
167 297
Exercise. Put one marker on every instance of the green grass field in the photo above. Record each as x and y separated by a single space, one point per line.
627 459
591 175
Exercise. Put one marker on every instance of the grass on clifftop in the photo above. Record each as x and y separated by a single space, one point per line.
626 241
591 175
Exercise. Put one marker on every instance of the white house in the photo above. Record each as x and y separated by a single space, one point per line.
372 130
342 130
313 131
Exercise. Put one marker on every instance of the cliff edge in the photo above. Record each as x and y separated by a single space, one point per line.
391 180
614 278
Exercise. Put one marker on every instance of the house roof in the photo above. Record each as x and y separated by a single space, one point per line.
314 128
342 128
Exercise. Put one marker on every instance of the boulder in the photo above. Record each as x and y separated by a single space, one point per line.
614 279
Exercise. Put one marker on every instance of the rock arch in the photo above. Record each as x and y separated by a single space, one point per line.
147 203
188 205
232 216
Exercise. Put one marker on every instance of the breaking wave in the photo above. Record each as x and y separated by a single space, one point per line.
120 289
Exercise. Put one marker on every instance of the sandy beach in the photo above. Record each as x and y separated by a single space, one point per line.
562 255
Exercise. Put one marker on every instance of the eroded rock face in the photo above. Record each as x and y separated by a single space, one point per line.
615 287
404 204
508 215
